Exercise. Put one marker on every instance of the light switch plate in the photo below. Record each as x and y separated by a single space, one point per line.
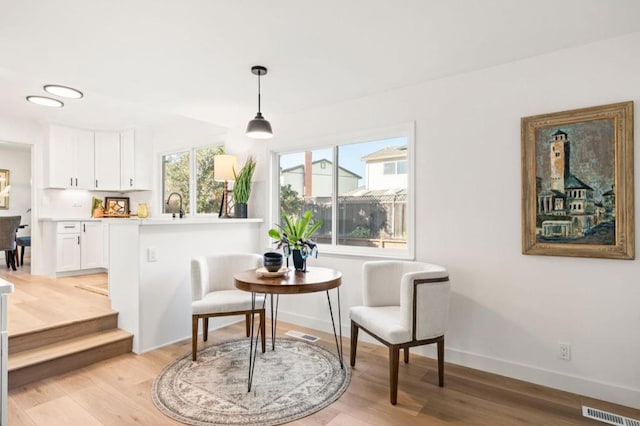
152 254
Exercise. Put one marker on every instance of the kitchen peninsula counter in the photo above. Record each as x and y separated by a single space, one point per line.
149 271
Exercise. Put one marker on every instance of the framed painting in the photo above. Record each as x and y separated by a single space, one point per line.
116 206
5 186
577 183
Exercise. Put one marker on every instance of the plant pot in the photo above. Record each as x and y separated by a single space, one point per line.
240 211
299 261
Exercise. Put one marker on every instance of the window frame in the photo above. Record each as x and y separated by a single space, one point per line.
401 130
193 203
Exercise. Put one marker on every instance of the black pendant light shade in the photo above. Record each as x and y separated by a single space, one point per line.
259 128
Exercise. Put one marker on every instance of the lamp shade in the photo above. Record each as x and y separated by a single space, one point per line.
223 167
259 128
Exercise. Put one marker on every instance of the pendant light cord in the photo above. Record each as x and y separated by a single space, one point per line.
259 91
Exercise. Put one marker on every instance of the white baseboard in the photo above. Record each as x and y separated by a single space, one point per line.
611 392
617 394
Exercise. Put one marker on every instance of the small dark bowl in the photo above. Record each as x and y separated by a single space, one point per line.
272 261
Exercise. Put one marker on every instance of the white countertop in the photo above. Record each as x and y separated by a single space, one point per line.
5 287
197 220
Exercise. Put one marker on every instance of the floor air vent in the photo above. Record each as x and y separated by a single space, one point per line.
610 418
310 338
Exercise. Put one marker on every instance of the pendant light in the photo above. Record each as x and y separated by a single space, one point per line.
259 128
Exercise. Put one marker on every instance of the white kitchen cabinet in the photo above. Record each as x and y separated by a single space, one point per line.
107 161
79 246
128 160
70 158
91 248
68 246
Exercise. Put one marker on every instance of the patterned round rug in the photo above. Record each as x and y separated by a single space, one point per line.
295 380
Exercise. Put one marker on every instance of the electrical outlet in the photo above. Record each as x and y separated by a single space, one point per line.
565 351
152 254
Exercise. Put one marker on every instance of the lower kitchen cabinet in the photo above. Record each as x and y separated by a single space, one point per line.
79 245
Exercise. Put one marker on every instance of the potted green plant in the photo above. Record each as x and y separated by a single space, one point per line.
295 238
242 187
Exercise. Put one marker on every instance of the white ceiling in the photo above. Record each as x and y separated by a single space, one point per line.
139 60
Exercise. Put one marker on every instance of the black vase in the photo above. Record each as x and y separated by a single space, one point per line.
240 211
299 261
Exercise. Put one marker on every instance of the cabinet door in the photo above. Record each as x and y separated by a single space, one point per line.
83 159
61 157
67 252
107 161
127 160
91 248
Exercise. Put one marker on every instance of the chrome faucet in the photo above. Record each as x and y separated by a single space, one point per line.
173 215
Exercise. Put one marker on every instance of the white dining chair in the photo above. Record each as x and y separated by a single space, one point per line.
406 304
214 295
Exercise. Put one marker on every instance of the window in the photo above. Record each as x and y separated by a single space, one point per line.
190 174
390 168
360 187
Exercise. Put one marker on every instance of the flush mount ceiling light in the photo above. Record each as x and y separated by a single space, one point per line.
259 128
44 101
65 92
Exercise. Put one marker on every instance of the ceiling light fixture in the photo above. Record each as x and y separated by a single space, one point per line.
259 128
44 101
64 91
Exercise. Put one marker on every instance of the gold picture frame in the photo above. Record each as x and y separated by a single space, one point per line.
5 186
577 183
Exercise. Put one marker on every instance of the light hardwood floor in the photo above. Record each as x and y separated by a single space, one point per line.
39 301
118 391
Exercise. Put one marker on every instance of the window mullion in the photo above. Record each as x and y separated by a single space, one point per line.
192 183
334 199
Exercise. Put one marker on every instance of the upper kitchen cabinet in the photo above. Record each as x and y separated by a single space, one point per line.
120 162
70 158
100 160
107 161
128 176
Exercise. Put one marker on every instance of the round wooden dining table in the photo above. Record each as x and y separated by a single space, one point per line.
312 280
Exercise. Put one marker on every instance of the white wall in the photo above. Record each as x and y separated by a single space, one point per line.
28 132
18 162
508 311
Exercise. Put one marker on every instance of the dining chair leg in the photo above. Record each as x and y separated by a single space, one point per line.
441 362
194 337
22 256
247 322
354 343
6 256
394 363
12 260
406 355
205 332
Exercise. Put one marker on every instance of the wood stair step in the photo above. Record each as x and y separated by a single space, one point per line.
70 354
26 340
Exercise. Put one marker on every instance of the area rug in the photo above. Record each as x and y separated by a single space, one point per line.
295 380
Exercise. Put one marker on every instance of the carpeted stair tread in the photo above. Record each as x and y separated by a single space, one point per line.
65 348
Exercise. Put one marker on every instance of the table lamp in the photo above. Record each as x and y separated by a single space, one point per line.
223 168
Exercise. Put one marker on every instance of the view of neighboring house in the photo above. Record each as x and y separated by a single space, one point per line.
375 210
318 184
387 168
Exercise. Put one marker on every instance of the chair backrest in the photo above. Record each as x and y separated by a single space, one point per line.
8 228
393 283
215 271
